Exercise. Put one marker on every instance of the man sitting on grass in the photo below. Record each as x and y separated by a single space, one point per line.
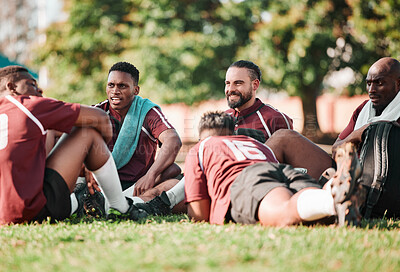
236 178
33 187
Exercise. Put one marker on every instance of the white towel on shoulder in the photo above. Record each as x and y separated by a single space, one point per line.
390 113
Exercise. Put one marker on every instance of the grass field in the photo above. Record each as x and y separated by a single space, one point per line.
174 243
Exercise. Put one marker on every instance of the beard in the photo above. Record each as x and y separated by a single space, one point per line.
243 99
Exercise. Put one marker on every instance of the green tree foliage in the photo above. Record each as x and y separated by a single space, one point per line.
181 48
303 41
75 50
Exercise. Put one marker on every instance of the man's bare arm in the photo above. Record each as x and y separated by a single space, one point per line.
199 210
171 144
353 137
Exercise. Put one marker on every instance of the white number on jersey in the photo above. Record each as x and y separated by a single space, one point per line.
245 149
3 131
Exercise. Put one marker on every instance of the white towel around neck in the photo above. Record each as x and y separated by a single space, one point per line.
390 113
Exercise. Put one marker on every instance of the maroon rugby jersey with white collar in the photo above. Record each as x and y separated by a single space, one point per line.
143 158
24 121
213 164
262 117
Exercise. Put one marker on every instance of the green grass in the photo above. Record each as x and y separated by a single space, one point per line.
174 243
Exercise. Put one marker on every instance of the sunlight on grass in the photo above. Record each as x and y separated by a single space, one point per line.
173 243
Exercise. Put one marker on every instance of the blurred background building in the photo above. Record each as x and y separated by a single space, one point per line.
22 24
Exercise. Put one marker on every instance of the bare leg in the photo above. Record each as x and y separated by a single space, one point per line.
277 208
156 191
171 172
281 207
292 148
80 146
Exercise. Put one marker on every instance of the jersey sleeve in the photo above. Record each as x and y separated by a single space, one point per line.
279 120
350 126
55 114
155 122
195 180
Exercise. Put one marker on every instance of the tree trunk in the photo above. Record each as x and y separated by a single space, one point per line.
311 127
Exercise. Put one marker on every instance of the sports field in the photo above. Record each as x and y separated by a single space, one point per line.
174 243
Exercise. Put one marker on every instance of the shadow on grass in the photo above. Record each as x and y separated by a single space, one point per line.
173 218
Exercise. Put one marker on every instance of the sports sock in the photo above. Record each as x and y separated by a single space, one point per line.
327 186
107 177
74 203
177 193
127 193
313 204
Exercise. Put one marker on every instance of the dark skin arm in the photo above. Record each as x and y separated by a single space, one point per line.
171 144
354 137
199 210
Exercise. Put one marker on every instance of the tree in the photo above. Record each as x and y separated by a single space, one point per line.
302 42
76 51
181 48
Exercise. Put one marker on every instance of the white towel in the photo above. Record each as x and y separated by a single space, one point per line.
390 113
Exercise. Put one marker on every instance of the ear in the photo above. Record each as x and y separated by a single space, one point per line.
255 84
11 87
137 90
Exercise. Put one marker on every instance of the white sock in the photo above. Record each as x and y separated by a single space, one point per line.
177 193
80 180
107 177
74 203
74 200
127 193
313 204
327 186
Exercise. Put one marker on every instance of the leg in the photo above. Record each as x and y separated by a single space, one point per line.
156 191
273 192
292 148
171 172
84 145
280 207
80 146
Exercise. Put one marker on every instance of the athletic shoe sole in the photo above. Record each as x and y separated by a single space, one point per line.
346 191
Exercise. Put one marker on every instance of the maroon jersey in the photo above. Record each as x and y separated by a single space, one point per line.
213 164
350 127
143 158
262 117
24 121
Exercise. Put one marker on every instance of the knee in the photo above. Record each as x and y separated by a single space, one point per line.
86 133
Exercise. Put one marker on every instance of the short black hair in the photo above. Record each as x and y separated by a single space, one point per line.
126 67
10 74
12 69
217 120
254 70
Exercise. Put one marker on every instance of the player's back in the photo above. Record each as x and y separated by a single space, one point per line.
224 157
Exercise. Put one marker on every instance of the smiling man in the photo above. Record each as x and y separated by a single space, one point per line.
383 85
138 127
241 83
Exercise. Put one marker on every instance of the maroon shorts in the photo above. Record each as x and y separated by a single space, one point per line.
58 205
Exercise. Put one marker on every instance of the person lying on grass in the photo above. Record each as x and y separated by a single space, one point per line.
236 178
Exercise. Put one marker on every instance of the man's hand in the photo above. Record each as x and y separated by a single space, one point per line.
143 184
91 182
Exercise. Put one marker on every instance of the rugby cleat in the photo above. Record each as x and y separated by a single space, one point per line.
95 205
347 193
160 205
133 213
81 192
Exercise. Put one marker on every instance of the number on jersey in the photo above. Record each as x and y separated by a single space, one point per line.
3 131
245 149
